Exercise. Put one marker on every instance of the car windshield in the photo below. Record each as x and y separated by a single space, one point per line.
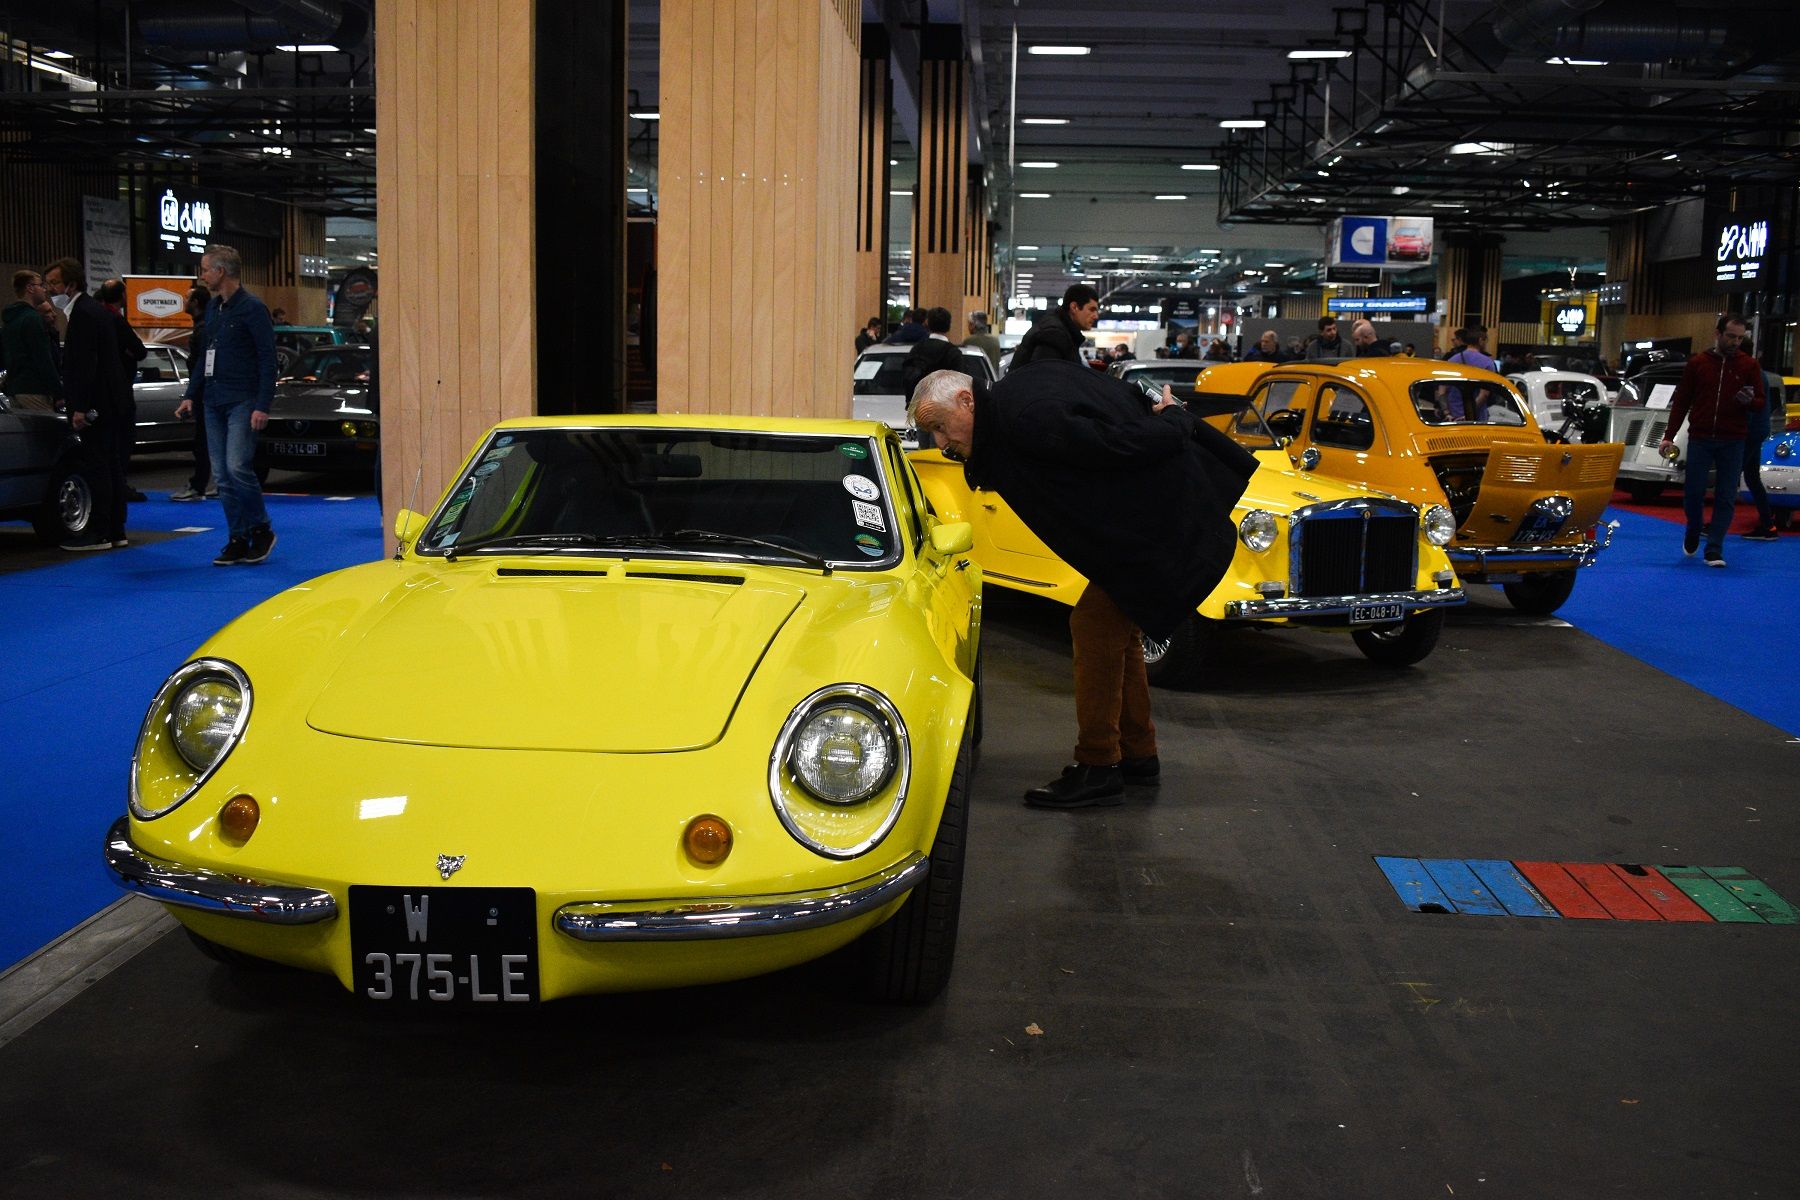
336 364
1449 400
880 374
792 499
1180 378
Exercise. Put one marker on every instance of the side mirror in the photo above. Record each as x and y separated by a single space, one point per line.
957 538
407 525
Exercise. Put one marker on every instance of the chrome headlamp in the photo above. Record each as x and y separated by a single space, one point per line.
198 715
839 770
1439 525
1258 529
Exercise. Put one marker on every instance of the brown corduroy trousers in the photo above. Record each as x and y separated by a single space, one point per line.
1112 696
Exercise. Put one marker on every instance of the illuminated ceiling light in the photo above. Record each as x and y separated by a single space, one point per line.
1199 166
1034 195
57 54
1065 50
1576 62
1243 124
1041 166
1044 121
893 162
1318 54
1027 247
646 116
1440 204
1172 196
1120 249
1670 157
310 49
893 193
1481 147
1277 266
1401 190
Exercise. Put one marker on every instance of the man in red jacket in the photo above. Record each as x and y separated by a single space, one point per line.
1718 391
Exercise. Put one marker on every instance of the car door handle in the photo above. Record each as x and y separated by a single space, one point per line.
962 564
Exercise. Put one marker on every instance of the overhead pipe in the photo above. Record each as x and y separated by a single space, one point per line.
1612 30
221 25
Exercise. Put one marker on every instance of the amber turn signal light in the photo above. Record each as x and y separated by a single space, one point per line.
708 840
239 817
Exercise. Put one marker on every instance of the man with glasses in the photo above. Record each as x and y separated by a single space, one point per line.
32 380
100 355
234 381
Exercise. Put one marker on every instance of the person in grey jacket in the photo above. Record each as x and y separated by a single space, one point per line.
235 383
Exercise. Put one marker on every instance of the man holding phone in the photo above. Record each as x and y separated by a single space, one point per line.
1719 389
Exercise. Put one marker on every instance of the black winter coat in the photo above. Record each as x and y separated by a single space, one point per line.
100 357
1054 336
1138 502
928 356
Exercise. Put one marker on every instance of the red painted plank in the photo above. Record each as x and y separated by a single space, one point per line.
1621 902
1564 894
1654 888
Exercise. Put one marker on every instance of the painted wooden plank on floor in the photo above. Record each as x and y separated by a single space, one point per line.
1466 892
1654 889
1620 901
1757 896
1564 894
1417 890
1709 894
1510 888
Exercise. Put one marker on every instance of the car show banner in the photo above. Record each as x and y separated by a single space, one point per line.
1381 242
155 301
105 239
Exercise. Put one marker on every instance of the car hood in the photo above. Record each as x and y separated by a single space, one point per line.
321 401
1281 488
543 658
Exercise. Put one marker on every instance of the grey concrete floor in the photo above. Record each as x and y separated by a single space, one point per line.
1230 1000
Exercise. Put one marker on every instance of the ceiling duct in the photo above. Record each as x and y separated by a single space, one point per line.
252 24
1612 31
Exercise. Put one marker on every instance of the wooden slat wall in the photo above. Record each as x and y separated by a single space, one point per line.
874 138
454 170
40 213
940 205
758 177
978 261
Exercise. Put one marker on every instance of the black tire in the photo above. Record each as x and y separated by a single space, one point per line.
1180 662
237 960
1643 491
1540 594
68 509
907 958
1404 643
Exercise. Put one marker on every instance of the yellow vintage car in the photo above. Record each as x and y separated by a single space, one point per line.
645 702
1311 552
1527 511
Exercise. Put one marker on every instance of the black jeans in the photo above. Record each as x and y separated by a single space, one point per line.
106 446
202 459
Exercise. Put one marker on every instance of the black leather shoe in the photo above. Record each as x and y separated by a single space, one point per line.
1146 770
1080 786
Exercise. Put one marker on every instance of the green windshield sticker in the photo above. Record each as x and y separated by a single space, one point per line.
870 545
497 453
854 450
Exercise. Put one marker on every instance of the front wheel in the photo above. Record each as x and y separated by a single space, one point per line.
1540 594
1404 643
68 508
1180 662
907 958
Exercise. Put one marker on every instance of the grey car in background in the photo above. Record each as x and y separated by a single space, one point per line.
41 476
878 395
325 416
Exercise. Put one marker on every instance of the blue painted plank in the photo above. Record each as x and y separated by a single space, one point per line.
1417 891
1466 892
1510 888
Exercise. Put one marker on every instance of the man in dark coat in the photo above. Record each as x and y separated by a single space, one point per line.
936 353
1060 332
911 330
1136 498
100 356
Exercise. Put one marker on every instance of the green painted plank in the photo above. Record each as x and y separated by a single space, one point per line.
1709 894
1757 896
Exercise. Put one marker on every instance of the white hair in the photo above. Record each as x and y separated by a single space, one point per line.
937 391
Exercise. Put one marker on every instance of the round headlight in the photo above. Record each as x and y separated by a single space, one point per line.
204 720
842 754
1439 524
1258 529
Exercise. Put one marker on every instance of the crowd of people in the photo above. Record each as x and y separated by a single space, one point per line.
67 349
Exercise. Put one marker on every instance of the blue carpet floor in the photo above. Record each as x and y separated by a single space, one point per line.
88 641
83 649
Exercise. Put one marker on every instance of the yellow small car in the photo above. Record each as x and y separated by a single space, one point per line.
645 702
1311 552
1527 512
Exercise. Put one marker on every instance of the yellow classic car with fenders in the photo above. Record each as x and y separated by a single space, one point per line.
1311 552
1527 511
644 702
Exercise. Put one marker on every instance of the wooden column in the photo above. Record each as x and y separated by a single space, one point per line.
757 199
978 263
874 143
456 229
940 206
1469 284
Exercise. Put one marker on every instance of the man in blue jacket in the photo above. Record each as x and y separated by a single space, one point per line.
235 383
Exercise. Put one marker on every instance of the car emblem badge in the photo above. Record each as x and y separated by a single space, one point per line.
1567 458
450 864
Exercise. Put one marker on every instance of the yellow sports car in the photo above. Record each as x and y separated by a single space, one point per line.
1311 552
645 702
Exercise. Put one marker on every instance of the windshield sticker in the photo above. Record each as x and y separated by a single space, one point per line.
862 487
868 516
868 368
449 539
453 511
854 450
487 468
498 453
503 441
870 545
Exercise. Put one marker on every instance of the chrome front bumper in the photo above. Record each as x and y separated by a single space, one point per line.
1475 560
739 916
1340 606
211 891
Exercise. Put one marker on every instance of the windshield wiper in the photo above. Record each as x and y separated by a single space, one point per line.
713 537
545 541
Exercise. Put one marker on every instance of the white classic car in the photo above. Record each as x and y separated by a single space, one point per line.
878 394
